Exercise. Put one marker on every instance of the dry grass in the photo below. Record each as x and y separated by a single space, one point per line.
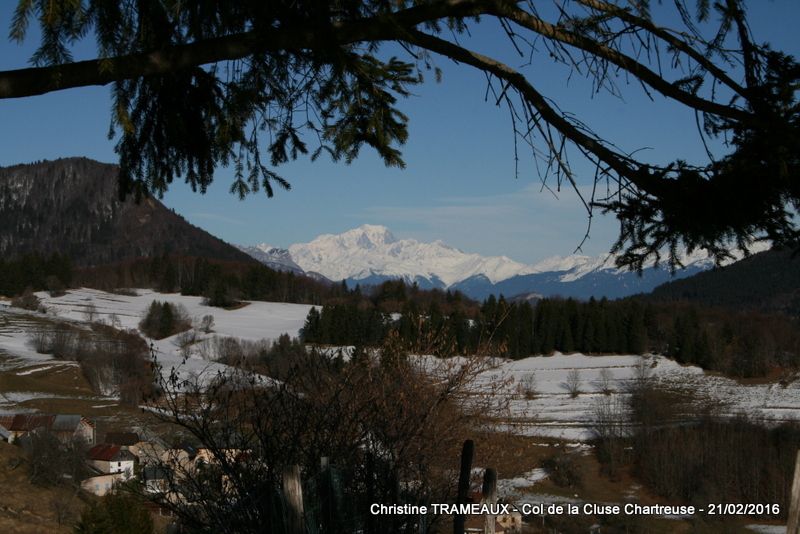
25 508
60 380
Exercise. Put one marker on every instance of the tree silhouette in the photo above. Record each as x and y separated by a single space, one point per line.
197 85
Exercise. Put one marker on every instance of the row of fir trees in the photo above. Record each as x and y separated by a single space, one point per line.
737 343
515 329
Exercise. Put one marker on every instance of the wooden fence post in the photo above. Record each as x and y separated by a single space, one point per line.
467 452
489 491
793 519
293 497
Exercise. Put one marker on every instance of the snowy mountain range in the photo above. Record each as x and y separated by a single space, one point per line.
371 254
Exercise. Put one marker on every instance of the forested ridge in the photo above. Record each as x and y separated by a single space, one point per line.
71 207
741 344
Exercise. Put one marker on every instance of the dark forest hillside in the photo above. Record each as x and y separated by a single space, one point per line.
70 207
768 281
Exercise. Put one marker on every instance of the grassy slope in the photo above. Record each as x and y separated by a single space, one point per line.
26 508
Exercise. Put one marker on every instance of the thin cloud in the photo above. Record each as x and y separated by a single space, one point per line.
216 217
527 225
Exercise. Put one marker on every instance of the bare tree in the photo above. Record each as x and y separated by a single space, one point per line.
90 313
526 387
52 462
610 427
113 321
28 301
391 426
605 380
642 373
64 507
573 383
207 324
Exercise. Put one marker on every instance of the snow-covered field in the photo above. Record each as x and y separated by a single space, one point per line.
552 411
256 321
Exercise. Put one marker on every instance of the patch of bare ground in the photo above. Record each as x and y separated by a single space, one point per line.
511 455
56 378
29 509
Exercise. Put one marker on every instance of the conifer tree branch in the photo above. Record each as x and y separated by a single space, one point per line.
615 57
303 35
668 37
619 163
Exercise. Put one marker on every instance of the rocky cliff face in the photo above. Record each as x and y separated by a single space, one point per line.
70 206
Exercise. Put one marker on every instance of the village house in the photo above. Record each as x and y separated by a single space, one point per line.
146 450
65 427
109 459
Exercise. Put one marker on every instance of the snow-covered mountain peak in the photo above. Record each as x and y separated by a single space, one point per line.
371 254
367 236
372 250
264 247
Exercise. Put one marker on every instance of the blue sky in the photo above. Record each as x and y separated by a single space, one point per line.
459 183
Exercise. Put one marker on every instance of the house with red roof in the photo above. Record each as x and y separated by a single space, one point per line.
108 458
64 426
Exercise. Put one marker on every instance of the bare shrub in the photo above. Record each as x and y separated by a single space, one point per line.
610 428
526 387
228 350
185 339
64 508
28 301
605 381
39 340
113 320
573 383
204 349
719 460
563 470
90 313
207 324
53 462
57 340
124 291
386 424
111 360
642 373
65 344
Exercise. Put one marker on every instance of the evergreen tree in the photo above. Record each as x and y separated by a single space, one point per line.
116 513
311 332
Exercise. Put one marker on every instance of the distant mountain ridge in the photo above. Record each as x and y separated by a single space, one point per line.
273 257
70 206
371 254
